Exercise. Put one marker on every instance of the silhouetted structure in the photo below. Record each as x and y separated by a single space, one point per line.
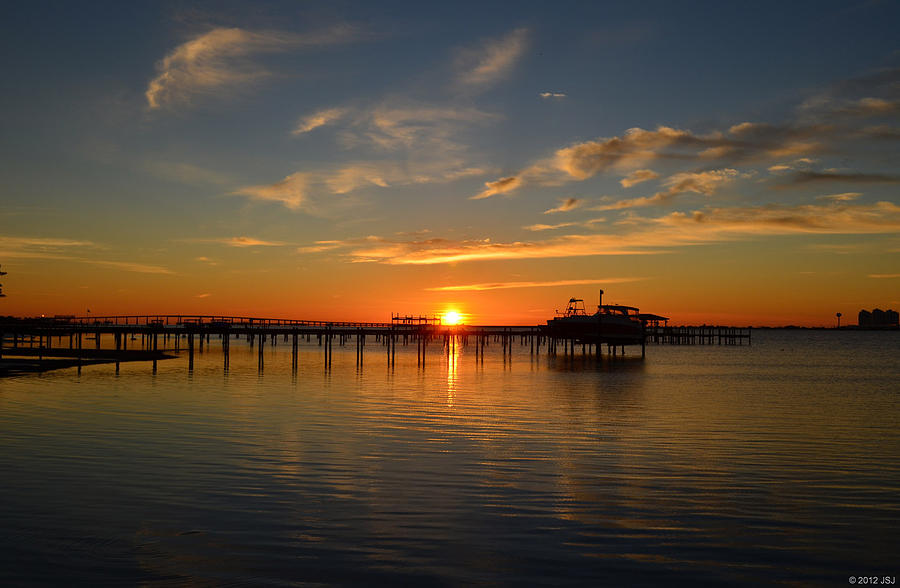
161 333
864 319
878 318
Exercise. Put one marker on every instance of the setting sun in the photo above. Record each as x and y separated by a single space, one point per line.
451 317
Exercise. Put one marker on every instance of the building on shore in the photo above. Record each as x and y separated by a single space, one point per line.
878 318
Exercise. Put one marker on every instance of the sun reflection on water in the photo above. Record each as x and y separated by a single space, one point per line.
452 369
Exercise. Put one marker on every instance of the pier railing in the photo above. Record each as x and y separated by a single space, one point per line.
163 333
208 320
658 334
698 335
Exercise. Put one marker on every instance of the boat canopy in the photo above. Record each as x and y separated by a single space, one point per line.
617 309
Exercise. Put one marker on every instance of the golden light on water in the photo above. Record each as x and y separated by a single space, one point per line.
452 370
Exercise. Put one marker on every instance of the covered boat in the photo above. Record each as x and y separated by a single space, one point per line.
612 323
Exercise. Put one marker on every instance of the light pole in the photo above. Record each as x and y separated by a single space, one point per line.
838 315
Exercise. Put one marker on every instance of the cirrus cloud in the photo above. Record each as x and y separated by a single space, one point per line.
565 205
638 176
705 183
291 191
493 60
501 186
318 119
641 235
524 284
218 60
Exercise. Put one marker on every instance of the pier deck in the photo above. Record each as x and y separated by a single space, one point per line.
82 337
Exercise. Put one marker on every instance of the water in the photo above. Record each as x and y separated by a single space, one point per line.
776 463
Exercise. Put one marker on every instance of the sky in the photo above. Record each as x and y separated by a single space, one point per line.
716 163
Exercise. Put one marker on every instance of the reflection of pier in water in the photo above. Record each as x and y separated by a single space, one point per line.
81 337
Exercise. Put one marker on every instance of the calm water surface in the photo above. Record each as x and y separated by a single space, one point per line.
776 463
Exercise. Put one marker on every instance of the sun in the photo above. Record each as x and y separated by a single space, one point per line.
451 317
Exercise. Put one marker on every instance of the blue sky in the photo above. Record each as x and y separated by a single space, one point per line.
529 147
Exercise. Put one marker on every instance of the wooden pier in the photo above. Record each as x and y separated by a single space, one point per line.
702 335
82 337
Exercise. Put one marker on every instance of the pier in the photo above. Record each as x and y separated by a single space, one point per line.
702 335
134 337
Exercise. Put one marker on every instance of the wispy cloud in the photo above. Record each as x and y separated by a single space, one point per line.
492 61
550 95
844 197
635 148
870 107
501 186
870 95
217 60
705 183
543 227
43 243
884 276
642 235
417 140
416 126
321 246
68 250
311 191
318 119
883 132
249 242
129 266
291 191
241 241
810 177
744 142
565 205
440 251
550 284
801 163
42 248
831 218
638 176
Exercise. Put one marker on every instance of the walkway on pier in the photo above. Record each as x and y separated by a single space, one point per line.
190 332
702 335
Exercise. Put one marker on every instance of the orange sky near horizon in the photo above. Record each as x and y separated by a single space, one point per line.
724 289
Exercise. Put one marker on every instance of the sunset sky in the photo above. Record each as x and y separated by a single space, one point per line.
733 163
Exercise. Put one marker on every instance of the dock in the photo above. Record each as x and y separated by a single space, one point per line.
701 335
116 338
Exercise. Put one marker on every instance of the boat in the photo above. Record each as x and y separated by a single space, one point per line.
612 323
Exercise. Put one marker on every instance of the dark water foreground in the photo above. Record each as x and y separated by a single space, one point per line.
773 464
